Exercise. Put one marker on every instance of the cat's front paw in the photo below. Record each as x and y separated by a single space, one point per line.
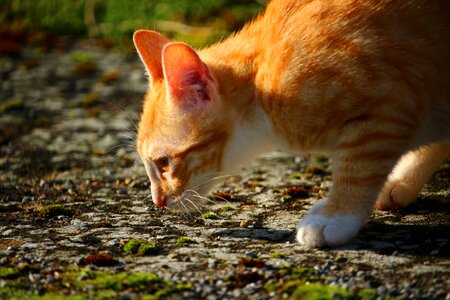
316 230
396 194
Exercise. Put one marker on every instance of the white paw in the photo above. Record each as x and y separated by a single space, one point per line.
396 194
316 230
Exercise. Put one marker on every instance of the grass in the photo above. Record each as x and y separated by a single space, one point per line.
197 22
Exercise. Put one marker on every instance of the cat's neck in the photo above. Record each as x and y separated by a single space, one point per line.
234 66
232 63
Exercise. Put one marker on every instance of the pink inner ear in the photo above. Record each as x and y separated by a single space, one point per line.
187 76
149 45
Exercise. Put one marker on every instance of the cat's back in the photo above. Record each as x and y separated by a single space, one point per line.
311 27
331 59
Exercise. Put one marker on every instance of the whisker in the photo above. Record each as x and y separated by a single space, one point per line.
205 198
193 204
223 199
197 185
125 111
131 138
185 207
209 200
178 209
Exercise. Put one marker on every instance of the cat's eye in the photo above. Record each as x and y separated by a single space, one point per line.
163 164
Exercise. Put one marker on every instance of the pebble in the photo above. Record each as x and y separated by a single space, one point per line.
251 254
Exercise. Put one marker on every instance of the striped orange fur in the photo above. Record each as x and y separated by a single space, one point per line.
368 81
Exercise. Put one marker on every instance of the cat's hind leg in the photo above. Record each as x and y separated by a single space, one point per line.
410 174
359 170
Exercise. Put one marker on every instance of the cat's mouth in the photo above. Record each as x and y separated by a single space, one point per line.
188 201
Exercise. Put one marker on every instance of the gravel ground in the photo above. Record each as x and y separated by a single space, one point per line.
77 220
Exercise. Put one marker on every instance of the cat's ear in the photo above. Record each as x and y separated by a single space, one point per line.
188 79
149 44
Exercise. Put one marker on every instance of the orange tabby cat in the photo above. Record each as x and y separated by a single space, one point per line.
366 80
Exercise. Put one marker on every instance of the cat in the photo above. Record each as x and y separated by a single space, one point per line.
366 81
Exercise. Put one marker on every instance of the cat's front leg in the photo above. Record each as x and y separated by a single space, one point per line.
357 179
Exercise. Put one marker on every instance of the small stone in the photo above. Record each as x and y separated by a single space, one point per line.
212 263
381 290
250 254
256 225
27 199
245 223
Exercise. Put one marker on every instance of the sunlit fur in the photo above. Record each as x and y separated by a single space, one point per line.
367 81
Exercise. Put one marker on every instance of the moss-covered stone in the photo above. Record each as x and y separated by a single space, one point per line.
296 175
8 273
140 247
148 249
185 240
11 104
277 255
81 57
132 246
226 208
210 216
53 210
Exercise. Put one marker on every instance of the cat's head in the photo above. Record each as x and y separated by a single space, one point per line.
184 126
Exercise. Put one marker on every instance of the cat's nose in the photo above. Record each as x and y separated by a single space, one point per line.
158 196
160 201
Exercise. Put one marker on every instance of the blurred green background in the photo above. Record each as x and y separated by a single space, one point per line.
198 22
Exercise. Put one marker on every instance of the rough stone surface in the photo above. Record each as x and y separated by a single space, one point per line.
70 142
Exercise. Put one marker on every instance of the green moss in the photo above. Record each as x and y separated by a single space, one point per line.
210 216
367 293
185 240
287 197
296 175
277 255
8 273
132 246
148 249
318 291
142 281
106 281
53 210
140 247
81 57
18 294
307 274
11 104
226 208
